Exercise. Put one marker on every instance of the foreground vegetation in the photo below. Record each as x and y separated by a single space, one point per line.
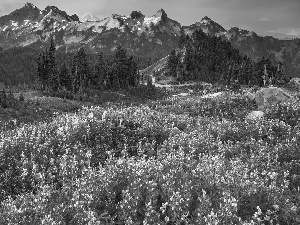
182 160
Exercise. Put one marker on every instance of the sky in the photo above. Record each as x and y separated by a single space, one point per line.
265 17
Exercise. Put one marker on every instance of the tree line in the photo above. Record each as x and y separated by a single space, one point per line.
78 75
17 65
212 59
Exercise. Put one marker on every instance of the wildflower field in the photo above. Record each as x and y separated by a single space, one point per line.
184 160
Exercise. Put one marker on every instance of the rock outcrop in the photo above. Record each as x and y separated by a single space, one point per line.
295 82
270 96
255 115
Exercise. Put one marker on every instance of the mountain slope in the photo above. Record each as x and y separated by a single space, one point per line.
141 35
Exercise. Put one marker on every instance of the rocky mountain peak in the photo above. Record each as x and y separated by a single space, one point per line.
239 31
207 25
53 10
74 17
206 18
161 11
136 15
27 12
30 6
49 8
234 34
161 14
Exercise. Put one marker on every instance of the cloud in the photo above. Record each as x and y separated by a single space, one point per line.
287 31
265 19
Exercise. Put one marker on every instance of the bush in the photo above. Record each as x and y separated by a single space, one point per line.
288 112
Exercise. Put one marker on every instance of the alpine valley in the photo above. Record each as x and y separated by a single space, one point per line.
142 36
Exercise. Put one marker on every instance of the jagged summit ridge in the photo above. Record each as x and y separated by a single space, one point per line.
234 32
135 22
136 15
52 20
161 13
56 11
28 12
207 25
30 5
206 19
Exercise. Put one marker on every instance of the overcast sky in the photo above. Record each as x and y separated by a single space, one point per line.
261 16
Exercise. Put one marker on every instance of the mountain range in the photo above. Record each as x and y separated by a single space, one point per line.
139 34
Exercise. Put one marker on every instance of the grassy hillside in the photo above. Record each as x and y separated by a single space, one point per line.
178 160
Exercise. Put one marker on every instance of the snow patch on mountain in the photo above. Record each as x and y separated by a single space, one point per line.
89 17
54 15
96 27
73 39
29 40
15 24
153 20
113 23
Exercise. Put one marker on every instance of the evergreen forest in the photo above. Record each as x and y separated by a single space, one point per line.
202 57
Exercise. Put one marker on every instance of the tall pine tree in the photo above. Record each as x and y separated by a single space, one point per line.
47 72
65 77
172 63
81 72
100 77
52 67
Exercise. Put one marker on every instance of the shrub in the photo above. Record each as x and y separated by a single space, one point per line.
169 163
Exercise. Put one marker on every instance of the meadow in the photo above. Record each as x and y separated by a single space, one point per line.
177 160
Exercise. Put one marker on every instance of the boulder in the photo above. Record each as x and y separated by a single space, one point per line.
295 82
250 95
181 94
214 95
270 96
255 115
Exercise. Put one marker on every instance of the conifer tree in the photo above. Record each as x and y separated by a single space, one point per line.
3 99
280 73
41 69
121 67
100 77
182 41
133 72
47 72
173 63
52 67
81 72
65 77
